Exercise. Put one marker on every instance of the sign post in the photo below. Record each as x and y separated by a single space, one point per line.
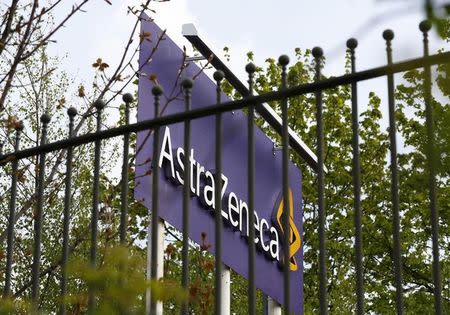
226 290
273 307
160 262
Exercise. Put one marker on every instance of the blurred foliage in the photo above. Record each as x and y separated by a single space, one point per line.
438 14
119 286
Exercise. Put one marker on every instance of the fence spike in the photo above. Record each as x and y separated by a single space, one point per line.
128 99
99 106
187 87
251 68
12 213
218 76
71 112
352 43
38 216
388 35
283 60
425 27
157 91
317 53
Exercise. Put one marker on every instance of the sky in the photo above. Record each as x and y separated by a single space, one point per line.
267 28
263 27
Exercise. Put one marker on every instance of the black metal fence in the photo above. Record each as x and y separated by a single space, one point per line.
283 94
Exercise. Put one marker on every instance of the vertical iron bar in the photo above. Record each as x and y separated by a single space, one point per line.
72 112
425 26
127 98
318 53
99 105
12 214
388 35
250 68
218 76
156 91
38 216
187 86
283 60
351 45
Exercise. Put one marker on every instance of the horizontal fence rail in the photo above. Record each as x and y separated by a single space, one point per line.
233 105
250 103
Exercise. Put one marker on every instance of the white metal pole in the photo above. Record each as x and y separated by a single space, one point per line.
160 263
273 307
226 290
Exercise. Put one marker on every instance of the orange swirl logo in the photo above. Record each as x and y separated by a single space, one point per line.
294 235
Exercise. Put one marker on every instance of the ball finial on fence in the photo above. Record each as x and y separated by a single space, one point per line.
72 112
45 118
388 34
352 43
157 90
425 26
251 68
187 83
127 98
99 104
19 126
283 60
317 52
218 75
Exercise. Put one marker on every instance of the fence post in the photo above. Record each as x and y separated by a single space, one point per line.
12 214
187 88
318 54
72 112
388 35
99 106
38 217
283 60
356 170
128 99
251 68
156 233
424 27
218 307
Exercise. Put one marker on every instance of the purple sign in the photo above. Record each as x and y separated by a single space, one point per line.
162 62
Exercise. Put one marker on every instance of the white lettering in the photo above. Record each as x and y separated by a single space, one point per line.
256 223
261 234
274 245
243 206
209 190
192 162
180 160
202 183
233 208
224 185
167 154
200 171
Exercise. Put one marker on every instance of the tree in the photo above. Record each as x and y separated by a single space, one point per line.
415 222
376 202
31 84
